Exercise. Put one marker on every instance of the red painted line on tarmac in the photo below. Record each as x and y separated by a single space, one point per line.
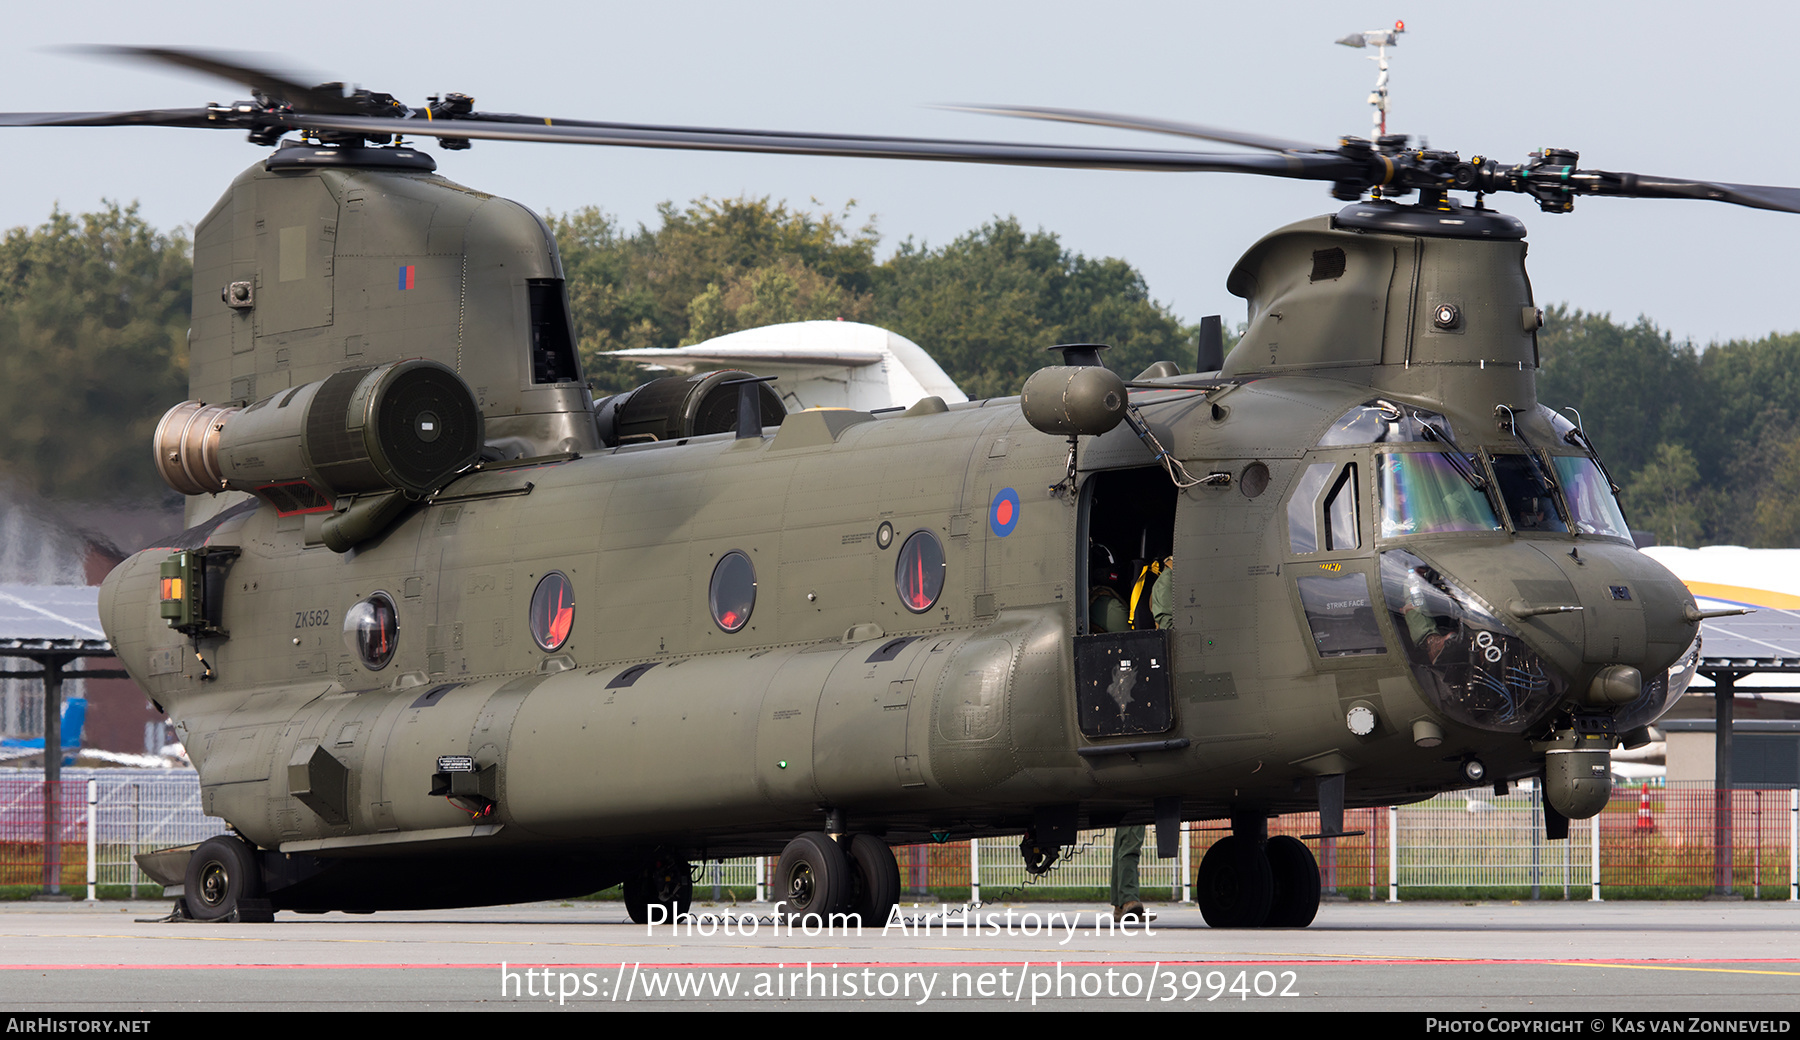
801 964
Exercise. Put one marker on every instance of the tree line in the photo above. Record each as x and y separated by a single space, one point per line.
94 315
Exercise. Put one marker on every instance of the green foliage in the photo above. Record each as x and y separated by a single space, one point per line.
1777 511
1634 386
93 349
712 268
1665 497
770 295
1706 444
986 305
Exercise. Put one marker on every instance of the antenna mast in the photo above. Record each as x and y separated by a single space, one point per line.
1381 40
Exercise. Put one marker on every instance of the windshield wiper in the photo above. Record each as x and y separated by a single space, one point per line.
1458 460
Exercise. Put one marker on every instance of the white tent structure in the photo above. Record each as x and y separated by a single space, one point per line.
818 364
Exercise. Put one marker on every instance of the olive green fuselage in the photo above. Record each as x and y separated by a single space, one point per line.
651 723
736 741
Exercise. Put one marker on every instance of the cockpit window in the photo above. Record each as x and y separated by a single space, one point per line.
1341 528
1303 508
1381 422
1425 493
1592 506
1528 497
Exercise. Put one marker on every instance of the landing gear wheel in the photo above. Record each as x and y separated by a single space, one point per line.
1295 899
1234 884
876 880
667 884
220 873
812 877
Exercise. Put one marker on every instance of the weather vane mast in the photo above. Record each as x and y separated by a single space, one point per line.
1381 40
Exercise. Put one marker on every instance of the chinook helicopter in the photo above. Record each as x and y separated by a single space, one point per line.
444 630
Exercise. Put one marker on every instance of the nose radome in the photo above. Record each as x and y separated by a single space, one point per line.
1631 606
1633 609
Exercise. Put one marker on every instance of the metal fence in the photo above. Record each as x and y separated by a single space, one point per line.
134 811
1650 842
1674 841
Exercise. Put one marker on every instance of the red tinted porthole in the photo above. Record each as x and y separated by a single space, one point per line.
919 576
371 630
552 611
733 594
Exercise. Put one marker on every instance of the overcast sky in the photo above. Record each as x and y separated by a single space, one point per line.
1693 90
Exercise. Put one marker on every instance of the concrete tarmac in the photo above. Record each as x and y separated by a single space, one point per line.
1582 958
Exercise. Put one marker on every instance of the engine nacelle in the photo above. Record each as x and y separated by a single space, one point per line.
406 426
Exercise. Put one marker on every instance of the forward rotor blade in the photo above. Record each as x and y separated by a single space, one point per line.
1325 166
237 68
1155 126
193 117
1758 196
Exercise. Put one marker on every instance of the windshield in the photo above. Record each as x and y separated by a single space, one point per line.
1592 506
1530 501
1423 493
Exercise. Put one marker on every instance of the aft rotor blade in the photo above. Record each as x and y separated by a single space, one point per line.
277 86
1155 126
1304 167
199 117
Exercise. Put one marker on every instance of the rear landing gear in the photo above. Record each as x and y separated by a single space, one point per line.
1246 884
666 883
221 875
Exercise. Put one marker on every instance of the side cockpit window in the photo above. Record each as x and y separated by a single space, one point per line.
1322 513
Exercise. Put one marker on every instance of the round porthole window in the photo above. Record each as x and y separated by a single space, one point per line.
733 594
919 576
371 628
552 611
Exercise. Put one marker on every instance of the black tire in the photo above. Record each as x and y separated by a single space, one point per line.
1295 873
1234 886
222 871
876 876
812 877
669 884
637 898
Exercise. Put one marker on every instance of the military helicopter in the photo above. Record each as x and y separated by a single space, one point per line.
444 630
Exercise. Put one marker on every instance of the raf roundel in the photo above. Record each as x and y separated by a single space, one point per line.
1003 512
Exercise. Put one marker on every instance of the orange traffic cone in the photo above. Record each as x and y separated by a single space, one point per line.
1645 822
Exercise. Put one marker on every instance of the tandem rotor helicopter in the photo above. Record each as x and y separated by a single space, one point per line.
444 630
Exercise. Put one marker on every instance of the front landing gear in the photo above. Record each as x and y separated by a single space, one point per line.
819 875
876 876
1243 883
1234 885
1294 901
812 878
